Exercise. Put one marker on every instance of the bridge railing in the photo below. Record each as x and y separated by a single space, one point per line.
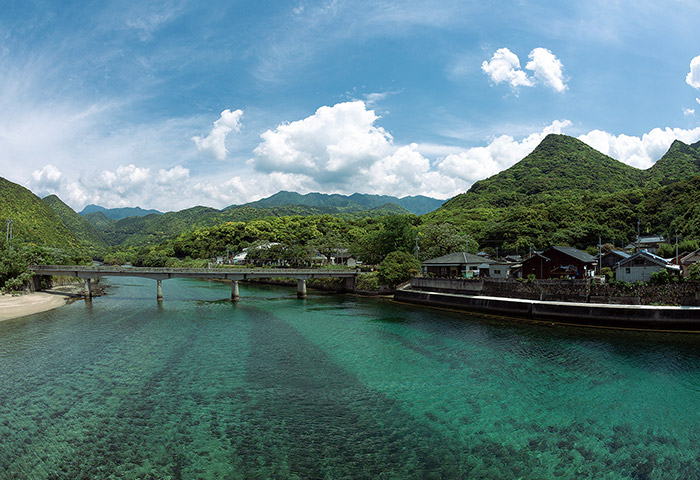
223 270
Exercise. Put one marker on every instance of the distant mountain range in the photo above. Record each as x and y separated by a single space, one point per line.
356 202
118 213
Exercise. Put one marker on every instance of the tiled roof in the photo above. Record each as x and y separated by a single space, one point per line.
457 258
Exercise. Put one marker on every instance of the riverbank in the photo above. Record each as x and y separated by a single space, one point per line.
35 302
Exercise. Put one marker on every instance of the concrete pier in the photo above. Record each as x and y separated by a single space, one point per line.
88 288
301 288
235 294
159 290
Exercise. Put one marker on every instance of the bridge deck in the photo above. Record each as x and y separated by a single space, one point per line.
165 273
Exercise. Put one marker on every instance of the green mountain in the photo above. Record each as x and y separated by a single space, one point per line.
32 220
78 225
118 213
336 203
680 162
559 167
567 193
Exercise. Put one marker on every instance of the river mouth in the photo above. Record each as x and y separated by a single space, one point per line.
271 386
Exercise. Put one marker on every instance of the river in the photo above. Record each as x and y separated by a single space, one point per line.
335 386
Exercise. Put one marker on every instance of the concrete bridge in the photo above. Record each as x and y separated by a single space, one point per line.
233 274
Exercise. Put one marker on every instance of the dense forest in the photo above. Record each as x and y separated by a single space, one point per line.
563 193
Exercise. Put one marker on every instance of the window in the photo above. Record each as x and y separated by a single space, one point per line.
628 271
496 272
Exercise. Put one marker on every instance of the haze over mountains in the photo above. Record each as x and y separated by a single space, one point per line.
563 192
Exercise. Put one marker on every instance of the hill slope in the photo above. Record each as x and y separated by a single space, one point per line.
680 162
32 220
78 225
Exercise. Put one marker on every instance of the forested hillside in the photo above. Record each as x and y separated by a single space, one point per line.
32 220
78 225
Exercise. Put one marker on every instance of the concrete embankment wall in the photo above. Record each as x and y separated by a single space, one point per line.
619 316
580 291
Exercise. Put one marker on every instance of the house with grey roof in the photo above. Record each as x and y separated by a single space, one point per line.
458 264
688 260
640 266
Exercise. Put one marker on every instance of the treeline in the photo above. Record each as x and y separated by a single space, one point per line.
15 257
296 240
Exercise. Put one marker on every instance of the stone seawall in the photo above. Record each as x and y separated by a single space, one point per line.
586 314
579 291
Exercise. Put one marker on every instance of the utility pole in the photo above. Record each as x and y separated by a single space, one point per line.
677 262
8 235
416 249
600 256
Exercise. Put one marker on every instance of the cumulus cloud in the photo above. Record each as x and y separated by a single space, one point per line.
689 112
547 68
693 77
504 67
332 143
214 144
47 178
640 152
504 151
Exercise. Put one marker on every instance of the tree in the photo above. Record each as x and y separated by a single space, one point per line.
397 267
438 239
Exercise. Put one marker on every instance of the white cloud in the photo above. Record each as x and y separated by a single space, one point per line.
697 100
329 145
215 143
635 151
504 67
47 178
693 77
688 112
547 68
504 151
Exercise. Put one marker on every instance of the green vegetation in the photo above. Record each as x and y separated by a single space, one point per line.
16 257
397 267
78 225
32 220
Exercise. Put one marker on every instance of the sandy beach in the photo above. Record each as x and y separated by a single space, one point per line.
35 302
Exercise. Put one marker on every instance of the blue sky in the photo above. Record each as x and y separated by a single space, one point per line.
171 104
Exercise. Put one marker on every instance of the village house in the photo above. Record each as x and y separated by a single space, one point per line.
343 257
640 266
559 262
688 260
458 264
612 258
650 244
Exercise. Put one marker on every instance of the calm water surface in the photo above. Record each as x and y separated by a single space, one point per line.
334 387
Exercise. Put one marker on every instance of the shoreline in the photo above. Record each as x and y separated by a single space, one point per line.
18 306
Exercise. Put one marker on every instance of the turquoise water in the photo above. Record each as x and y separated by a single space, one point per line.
334 387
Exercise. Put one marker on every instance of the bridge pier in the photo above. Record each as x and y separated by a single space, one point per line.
159 290
301 288
235 295
88 289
